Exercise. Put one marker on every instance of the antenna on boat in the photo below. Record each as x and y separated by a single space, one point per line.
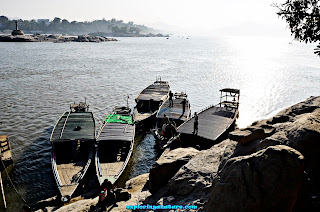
128 101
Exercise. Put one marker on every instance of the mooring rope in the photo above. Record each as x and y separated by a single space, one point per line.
15 189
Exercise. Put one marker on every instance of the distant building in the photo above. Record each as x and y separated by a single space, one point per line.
46 21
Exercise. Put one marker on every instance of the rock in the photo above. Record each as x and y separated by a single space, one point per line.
268 180
167 165
304 133
137 183
278 119
17 32
198 173
122 194
307 106
191 184
138 189
53 201
248 134
81 205
53 38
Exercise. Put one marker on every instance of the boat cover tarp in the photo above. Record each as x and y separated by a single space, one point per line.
116 118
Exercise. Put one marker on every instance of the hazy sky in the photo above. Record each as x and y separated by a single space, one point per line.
187 16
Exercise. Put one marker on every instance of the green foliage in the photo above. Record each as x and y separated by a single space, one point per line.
303 18
63 26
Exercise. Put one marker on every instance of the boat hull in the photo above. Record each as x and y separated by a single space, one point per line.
72 141
114 148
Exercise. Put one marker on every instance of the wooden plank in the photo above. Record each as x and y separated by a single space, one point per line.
111 169
174 112
2 192
116 131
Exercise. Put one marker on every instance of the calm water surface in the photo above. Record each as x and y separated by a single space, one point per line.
40 80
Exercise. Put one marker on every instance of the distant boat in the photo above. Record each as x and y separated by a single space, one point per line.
163 131
72 141
115 142
213 121
149 101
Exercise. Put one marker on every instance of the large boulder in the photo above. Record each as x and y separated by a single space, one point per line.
191 184
248 134
167 165
17 32
268 180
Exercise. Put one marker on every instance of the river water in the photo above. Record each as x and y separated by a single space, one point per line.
40 80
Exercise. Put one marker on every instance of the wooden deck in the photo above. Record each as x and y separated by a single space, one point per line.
116 131
175 112
110 171
213 121
5 150
157 91
114 150
73 126
68 173
140 116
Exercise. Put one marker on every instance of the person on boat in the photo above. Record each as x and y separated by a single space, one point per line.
109 189
170 99
102 203
165 120
171 130
195 124
184 102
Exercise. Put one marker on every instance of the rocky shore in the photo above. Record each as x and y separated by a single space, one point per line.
54 38
272 165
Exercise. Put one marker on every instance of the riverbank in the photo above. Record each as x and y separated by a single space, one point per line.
54 38
270 165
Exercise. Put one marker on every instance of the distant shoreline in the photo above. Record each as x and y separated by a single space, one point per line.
92 37
54 38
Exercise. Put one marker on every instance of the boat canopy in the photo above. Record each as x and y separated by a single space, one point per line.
117 118
230 90
230 98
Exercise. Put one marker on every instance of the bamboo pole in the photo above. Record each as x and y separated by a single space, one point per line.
2 191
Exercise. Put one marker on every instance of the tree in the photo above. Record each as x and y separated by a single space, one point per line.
303 18
134 30
3 19
56 20
115 29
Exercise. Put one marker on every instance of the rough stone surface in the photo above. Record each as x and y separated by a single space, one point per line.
17 32
167 165
122 194
54 38
191 184
268 180
247 135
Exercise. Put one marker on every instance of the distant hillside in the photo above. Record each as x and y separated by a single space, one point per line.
63 26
